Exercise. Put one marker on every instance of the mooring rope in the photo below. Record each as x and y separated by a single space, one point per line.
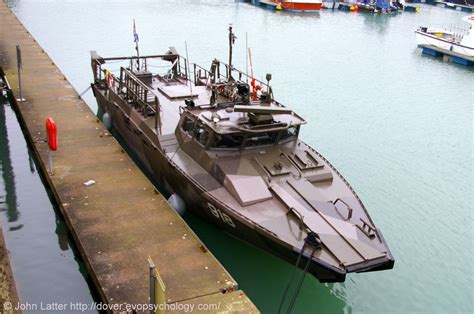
291 278
85 91
312 239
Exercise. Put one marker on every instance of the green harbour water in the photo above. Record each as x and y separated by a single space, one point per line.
397 124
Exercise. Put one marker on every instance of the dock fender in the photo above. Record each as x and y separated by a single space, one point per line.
107 120
177 203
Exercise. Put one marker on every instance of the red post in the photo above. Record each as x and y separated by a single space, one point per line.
52 131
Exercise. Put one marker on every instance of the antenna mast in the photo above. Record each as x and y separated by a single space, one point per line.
188 74
246 58
135 39
232 39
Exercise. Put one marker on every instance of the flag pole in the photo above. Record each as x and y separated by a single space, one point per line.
138 56
135 39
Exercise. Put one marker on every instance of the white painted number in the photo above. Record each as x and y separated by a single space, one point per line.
219 214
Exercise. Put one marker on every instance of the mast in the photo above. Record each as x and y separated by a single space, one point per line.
246 58
232 38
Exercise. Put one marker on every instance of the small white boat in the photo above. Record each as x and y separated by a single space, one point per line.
455 42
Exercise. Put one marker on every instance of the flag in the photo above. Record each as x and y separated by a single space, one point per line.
135 35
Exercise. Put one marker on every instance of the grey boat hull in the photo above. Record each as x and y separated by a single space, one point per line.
169 176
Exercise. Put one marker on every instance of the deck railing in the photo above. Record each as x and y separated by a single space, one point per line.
457 31
200 73
137 91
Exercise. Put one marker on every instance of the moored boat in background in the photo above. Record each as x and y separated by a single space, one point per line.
301 5
455 42
290 5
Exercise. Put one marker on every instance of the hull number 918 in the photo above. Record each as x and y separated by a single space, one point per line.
219 214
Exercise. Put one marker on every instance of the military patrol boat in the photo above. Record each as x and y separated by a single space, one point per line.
220 141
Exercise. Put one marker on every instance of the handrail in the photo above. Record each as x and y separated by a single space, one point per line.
300 173
139 95
240 73
136 79
141 57
349 209
268 175
301 220
262 130
451 28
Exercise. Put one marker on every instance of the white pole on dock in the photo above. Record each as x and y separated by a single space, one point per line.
151 266
19 66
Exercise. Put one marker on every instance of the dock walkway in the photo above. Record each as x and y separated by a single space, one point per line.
447 5
454 56
121 219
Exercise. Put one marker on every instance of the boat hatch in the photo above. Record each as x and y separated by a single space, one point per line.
238 186
279 167
176 92
306 160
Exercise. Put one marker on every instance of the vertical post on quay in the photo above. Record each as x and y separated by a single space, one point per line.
157 290
151 266
19 67
50 161
52 132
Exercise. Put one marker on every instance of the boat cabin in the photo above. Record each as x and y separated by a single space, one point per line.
237 127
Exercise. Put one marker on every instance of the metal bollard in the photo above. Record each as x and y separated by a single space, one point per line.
157 290
19 67
152 283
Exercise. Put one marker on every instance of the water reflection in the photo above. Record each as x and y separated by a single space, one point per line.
45 259
7 170
264 277
31 160
62 233
377 21
11 3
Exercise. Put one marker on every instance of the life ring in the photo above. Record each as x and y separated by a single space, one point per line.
471 18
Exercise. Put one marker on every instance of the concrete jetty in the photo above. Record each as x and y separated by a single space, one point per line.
8 293
120 220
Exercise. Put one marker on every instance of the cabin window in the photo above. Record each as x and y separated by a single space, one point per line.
202 135
263 138
227 140
290 132
188 126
